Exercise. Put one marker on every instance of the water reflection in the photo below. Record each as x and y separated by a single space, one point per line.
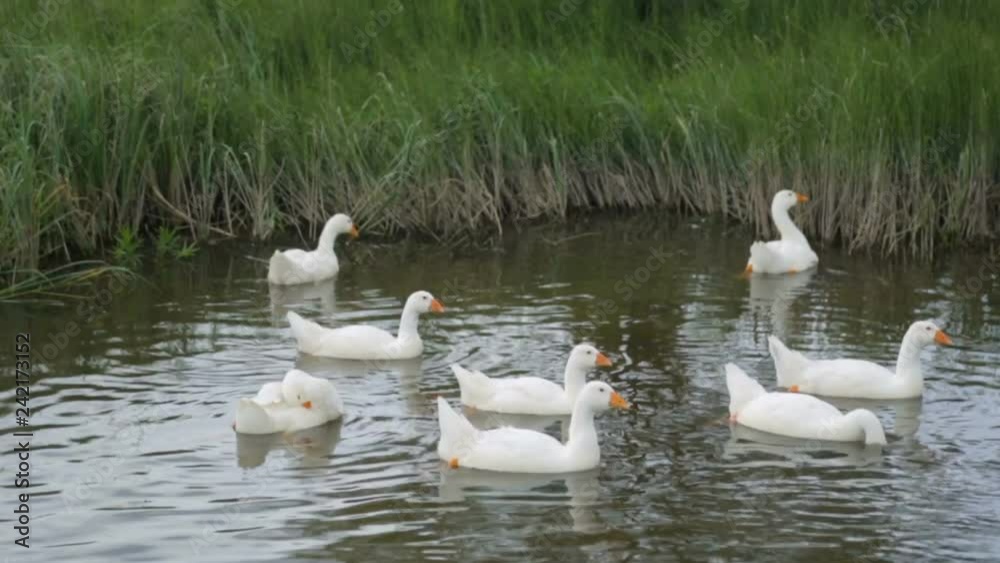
582 490
774 295
283 297
311 447
747 442
905 417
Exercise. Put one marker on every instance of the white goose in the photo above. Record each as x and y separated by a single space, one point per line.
796 415
858 378
530 395
304 266
792 252
362 342
516 450
298 402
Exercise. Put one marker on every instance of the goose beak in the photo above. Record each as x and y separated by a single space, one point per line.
943 339
603 360
801 198
308 404
619 402
355 233
436 306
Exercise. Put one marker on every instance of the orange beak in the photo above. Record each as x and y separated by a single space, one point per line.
619 402
801 198
308 404
943 339
603 360
748 270
355 233
436 306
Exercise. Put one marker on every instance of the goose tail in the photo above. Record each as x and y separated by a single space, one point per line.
476 387
307 333
251 418
457 433
762 258
742 388
279 268
789 364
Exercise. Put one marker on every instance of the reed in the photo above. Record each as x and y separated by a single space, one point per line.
251 117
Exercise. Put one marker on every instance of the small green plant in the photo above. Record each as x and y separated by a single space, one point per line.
169 243
187 250
127 246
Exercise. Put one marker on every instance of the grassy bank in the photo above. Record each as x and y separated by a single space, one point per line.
248 117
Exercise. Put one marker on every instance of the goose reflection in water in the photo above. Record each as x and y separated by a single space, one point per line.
774 294
283 297
311 447
746 442
578 509
905 417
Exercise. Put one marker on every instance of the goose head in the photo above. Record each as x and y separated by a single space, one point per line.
301 389
925 333
584 357
787 199
342 225
599 396
423 302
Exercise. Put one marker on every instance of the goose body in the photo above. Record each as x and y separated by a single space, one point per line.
797 415
791 253
516 450
530 395
363 342
858 378
297 266
298 402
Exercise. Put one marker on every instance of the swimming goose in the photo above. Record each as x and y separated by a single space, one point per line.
298 402
516 450
303 266
859 378
363 342
797 415
530 395
792 252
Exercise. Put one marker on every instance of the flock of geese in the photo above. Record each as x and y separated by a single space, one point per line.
302 401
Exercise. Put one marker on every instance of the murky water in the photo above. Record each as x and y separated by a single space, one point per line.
134 457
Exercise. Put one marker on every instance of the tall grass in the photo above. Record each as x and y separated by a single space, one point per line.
246 117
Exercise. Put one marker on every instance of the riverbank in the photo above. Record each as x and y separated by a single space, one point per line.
248 118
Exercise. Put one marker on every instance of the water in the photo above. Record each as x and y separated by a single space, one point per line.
135 460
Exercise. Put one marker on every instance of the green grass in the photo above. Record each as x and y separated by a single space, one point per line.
29 285
247 117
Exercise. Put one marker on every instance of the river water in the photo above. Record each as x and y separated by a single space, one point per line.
134 389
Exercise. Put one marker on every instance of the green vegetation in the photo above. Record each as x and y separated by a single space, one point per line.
248 116
170 244
127 246
34 285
